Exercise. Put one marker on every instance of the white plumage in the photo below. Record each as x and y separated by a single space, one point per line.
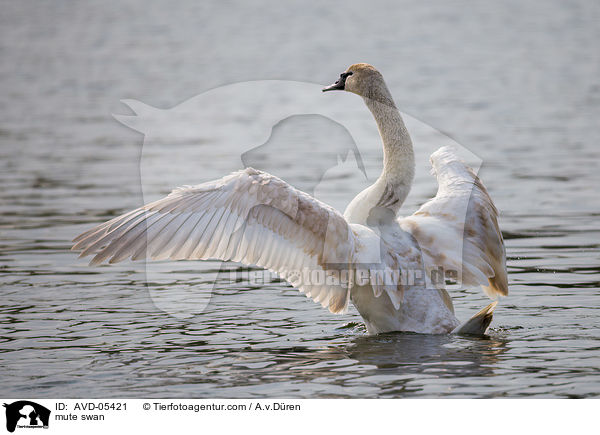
255 218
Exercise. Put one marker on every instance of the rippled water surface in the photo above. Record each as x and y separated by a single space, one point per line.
517 84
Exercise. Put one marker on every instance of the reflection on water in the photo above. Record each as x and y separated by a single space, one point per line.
507 80
445 356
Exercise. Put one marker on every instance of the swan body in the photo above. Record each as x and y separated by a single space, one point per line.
383 263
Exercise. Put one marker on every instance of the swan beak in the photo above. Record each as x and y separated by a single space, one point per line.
340 84
337 86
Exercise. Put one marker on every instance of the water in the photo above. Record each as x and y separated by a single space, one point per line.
515 83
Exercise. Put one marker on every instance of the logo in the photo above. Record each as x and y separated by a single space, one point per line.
26 414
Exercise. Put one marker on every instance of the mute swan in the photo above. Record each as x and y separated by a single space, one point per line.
255 218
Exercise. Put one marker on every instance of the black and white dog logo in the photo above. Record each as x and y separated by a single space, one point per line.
26 414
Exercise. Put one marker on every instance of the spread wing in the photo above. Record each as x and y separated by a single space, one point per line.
249 216
458 229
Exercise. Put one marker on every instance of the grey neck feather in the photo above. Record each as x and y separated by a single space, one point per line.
398 156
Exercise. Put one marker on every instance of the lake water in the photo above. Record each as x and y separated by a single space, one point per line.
515 83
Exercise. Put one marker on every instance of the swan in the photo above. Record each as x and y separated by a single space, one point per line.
384 264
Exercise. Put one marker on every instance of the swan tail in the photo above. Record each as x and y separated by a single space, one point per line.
478 324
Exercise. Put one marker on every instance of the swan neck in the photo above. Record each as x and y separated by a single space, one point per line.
398 156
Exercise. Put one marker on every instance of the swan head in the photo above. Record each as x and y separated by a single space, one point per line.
364 80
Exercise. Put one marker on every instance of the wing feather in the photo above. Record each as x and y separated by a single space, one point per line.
248 216
458 229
